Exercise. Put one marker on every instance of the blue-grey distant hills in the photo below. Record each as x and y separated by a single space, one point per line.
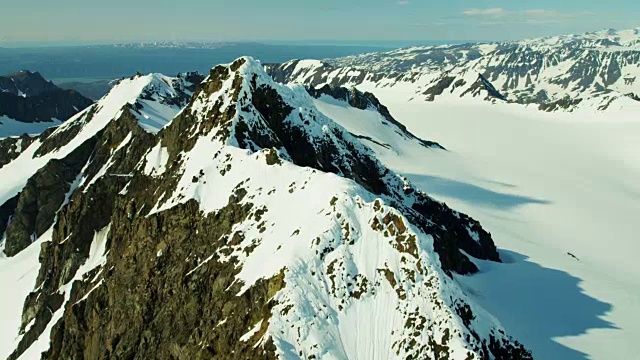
28 97
63 64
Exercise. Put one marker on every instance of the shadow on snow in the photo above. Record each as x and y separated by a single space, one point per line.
536 305
470 193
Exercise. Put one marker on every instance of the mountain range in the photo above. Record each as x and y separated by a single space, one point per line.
271 211
597 70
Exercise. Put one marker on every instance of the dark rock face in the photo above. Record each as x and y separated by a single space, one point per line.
438 88
565 103
26 83
453 235
87 212
41 199
6 211
491 90
27 97
149 305
298 144
194 78
12 147
43 107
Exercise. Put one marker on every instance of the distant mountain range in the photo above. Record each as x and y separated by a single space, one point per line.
174 44
598 70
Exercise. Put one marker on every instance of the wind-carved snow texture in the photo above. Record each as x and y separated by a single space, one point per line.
590 71
362 261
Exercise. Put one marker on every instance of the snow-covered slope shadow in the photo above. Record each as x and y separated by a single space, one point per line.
440 186
538 304
515 291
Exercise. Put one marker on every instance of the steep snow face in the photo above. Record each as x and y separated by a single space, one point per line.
154 99
597 71
19 275
371 128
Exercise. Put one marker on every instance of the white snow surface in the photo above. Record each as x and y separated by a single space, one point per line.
17 279
558 192
10 127
548 187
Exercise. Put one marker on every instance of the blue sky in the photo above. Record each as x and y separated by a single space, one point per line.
230 20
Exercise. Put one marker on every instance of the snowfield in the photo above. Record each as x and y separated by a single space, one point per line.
11 127
560 196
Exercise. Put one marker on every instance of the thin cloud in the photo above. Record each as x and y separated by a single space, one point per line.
523 15
541 13
496 12
404 2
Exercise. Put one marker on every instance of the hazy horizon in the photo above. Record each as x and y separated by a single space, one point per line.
76 22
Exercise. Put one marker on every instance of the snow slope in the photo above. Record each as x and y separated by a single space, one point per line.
17 275
559 194
155 100
147 93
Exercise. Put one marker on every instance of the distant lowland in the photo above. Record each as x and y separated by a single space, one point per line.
89 69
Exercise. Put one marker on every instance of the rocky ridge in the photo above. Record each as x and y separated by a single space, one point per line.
250 226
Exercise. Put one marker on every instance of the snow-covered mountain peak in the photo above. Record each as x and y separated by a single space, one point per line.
152 99
259 222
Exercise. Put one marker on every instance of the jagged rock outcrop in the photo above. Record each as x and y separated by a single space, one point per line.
252 227
42 197
12 147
